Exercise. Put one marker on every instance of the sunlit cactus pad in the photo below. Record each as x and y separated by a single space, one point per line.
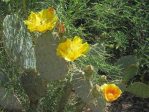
49 65
18 42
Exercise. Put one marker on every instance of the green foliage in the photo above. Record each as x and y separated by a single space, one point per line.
72 13
3 78
49 102
139 89
124 23
6 0
11 90
97 57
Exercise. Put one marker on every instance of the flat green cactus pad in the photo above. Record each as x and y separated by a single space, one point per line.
34 86
18 42
49 65
82 86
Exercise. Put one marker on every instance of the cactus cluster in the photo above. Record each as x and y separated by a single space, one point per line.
40 64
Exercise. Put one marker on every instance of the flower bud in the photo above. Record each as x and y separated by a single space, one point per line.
61 27
96 91
89 69
102 79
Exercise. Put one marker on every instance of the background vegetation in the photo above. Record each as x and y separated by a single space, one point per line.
118 31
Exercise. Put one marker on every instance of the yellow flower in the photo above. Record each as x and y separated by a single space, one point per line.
111 92
72 49
42 21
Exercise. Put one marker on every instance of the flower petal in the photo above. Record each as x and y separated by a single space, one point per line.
111 92
70 50
42 21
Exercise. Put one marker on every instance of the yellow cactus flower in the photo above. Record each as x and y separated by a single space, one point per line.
42 21
111 92
72 49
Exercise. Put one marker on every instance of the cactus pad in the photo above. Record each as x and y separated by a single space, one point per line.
18 42
49 65
82 87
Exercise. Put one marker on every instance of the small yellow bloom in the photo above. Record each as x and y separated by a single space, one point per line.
42 21
72 49
111 92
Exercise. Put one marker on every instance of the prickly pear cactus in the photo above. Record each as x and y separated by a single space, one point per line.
86 91
34 86
139 89
49 65
10 101
100 104
126 61
18 42
82 87
129 66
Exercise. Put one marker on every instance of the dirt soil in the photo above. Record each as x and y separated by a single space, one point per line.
128 103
